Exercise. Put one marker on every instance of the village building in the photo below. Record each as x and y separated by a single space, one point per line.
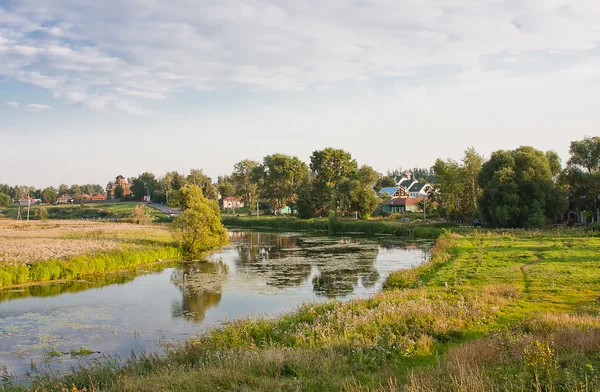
112 186
401 205
230 202
98 197
393 192
26 201
64 199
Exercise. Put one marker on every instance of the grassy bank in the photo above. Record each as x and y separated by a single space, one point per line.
417 230
56 250
514 311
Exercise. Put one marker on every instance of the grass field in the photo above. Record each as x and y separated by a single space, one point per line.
90 211
38 251
489 312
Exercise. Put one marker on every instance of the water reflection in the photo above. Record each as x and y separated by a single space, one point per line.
137 311
201 286
333 266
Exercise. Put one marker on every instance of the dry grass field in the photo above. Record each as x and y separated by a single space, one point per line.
27 242
38 251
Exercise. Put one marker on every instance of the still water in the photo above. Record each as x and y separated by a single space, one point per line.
259 274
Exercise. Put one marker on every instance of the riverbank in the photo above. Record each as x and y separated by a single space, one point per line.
33 252
498 311
374 227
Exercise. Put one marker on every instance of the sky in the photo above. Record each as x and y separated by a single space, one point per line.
92 89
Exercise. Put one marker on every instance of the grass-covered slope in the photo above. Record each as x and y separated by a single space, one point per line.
497 312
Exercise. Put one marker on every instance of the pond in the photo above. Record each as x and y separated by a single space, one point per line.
57 326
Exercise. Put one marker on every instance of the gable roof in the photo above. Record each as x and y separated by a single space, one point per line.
417 187
389 190
406 183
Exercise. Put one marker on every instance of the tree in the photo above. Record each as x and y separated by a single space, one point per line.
63 188
457 187
305 203
5 200
49 195
471 166
225 186
449 188
242 180
198 178
357 194
329 167
145 184
119 191
424 175
281 177
75 190
384 182
519 190
581 178
198 227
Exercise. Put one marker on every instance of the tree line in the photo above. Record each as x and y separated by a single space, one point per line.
47 195
524 187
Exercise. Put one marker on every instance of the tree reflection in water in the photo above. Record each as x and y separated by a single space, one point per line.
333 266
201 285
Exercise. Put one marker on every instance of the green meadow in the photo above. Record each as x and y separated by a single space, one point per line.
495 311
101 211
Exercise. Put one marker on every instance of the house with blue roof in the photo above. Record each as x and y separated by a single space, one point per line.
393 192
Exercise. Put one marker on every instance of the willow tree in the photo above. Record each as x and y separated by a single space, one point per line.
198 228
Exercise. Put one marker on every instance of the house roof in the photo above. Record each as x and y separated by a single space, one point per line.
64 195
389 190
231 198
406 183
417 187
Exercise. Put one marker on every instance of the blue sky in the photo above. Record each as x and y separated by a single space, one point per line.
92 89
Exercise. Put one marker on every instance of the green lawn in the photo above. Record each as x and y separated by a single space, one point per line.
489 312
103 211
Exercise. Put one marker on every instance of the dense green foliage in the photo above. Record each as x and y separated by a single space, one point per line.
457 186
519 189
280 177
145 184
244 185
5 200
198 227
49 195
506 311
582 176
329 167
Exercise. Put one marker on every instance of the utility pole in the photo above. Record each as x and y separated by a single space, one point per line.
28 205
257 210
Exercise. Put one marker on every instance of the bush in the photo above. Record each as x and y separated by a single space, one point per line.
41 213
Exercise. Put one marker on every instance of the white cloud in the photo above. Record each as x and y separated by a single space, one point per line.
14 105
119 54
37 107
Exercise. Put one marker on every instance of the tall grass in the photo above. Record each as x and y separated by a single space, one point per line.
83 265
